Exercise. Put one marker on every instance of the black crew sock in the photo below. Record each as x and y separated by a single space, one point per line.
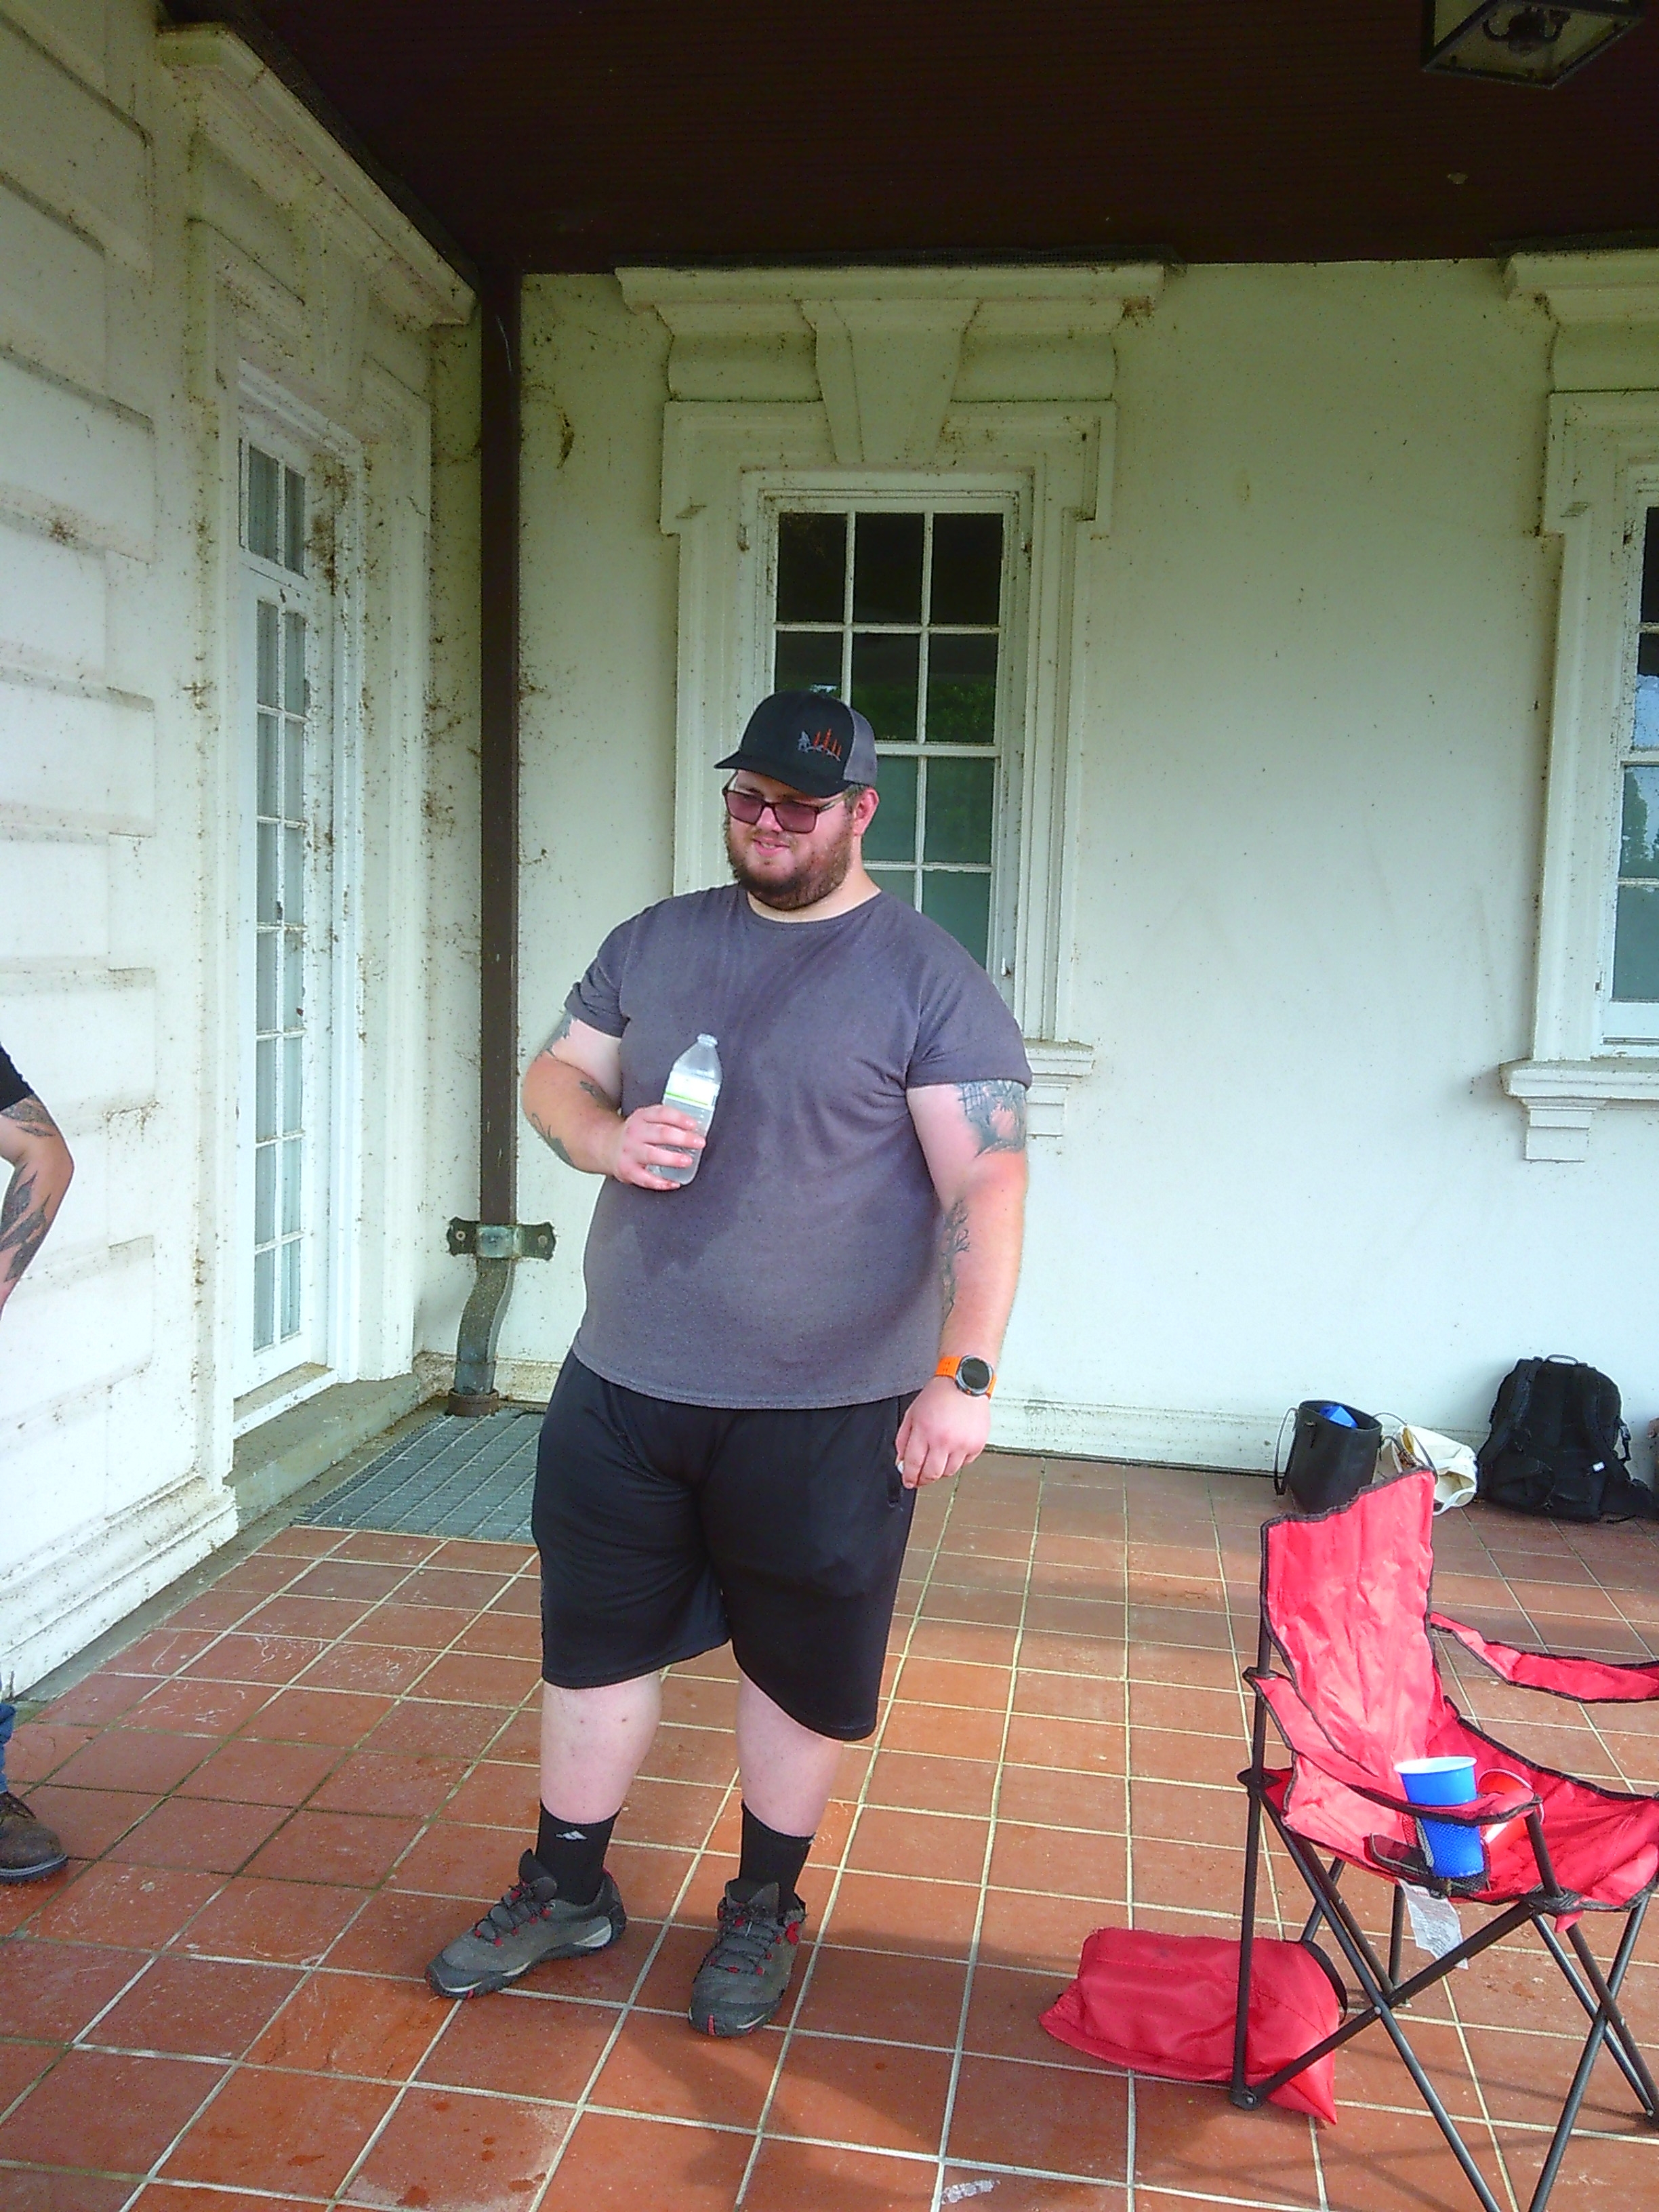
768 1856
573 1852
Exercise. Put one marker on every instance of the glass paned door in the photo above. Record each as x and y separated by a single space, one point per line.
904 614
287 902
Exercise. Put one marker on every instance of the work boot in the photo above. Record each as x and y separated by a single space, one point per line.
28 1848
531 1922
742 1980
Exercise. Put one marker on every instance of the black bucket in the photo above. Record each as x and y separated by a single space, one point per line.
1331 1460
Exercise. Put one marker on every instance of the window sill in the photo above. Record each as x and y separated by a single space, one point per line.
1056 1069
1561 1097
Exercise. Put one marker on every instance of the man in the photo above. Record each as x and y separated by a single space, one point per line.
776 1354
41 1167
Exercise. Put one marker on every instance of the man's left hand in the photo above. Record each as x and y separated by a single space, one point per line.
944 1430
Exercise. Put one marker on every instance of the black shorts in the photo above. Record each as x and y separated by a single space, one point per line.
665 1530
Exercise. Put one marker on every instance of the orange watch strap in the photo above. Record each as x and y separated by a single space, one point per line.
950 1366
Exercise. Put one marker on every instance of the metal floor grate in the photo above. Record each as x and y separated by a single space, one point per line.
450 1478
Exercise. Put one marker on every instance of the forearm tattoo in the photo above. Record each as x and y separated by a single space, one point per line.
548 1137
953 1242
24 1218
996 1115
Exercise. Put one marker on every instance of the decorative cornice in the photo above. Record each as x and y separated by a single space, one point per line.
1605 306
251 118
889 352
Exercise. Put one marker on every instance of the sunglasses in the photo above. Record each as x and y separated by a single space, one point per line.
796 818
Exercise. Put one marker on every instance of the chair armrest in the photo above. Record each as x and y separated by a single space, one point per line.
1309 1742
1591 1681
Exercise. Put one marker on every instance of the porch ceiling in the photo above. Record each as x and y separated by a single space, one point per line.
580 134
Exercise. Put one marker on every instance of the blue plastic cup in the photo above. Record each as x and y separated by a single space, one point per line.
1450 1781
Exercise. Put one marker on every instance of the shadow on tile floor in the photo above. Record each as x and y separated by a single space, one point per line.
284 1798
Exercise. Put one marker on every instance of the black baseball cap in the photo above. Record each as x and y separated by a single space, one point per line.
810 741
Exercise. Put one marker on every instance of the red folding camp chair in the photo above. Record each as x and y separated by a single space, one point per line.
1346 1669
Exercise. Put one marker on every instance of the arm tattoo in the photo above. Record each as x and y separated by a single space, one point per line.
23 1225
25 1219
30 1115
953 1242
995 1113
561 1029
549 1139
599 1096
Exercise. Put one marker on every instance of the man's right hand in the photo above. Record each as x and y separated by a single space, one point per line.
653 1136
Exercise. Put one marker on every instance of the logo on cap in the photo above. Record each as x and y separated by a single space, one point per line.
820 741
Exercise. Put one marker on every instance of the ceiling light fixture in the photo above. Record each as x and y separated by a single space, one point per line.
1520 42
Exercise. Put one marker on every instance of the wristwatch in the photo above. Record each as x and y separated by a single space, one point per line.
977 1377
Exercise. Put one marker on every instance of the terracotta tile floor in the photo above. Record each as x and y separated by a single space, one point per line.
287 1797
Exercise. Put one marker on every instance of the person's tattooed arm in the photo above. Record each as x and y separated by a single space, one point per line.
33 1145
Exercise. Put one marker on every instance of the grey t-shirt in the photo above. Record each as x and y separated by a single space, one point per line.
800 1265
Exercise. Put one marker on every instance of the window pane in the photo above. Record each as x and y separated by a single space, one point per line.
294 875
264 1300
294 521
264 477
291 1289
270 782
961 904
294 663
293 1085
812 568
1650 569
1645 736
294 978
264 1088
961 795
267 945
1636 943
294 769
901 882
1639 835
967 568
264 1194
892 835
962 690
265 618
887 568
265 911
808 661
291 1152
885 681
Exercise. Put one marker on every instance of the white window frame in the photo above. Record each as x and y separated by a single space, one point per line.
331 463
719 463
1602 472
796 491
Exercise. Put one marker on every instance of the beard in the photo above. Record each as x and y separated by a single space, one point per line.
815 874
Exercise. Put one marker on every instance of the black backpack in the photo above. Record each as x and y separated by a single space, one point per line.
1558 1446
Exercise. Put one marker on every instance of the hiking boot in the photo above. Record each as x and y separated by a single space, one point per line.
531 1922
741 1982
28 1849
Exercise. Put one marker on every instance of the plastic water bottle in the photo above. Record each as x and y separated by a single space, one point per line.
693 1085
1340 1415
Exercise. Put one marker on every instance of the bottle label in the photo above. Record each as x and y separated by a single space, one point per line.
696 1093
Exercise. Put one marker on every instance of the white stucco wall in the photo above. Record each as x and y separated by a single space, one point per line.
1315 669
142 267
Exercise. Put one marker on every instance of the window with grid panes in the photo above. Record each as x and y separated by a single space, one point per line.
904 614
1636 925
274 504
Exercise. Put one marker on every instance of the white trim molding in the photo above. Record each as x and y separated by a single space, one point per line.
251 118
1601 466
992 380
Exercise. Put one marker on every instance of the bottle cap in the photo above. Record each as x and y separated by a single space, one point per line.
703 1037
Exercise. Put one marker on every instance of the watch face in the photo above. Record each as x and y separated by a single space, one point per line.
975 1377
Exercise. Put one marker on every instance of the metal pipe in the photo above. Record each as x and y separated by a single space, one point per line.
500 446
